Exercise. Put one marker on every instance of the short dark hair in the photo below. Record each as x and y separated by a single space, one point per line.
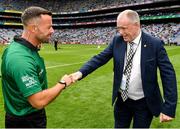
33 12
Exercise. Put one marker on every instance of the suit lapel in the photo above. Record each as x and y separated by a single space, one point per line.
123 48
144 47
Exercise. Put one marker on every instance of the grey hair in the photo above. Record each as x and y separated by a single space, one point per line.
130 14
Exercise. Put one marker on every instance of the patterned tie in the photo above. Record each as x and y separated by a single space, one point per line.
124 93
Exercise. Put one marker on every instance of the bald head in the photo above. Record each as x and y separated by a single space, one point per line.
131 15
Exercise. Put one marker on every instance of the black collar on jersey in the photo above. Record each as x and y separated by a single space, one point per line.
24 42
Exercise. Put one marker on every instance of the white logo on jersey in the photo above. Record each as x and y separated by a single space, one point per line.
28 81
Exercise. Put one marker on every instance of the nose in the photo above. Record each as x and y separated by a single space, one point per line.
52 30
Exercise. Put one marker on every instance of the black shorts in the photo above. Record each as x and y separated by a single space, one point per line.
34 120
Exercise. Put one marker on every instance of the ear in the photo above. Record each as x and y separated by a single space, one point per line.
32 28
35 28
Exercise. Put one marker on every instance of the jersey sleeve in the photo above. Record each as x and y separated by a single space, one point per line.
25 73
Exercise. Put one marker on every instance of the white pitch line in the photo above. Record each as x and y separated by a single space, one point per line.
55 66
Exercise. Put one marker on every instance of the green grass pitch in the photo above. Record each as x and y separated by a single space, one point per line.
87 103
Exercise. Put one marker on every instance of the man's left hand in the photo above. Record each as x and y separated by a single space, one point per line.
165 118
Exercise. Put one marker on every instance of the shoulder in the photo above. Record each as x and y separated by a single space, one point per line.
117 38
18 56
18 50
155 41
149 37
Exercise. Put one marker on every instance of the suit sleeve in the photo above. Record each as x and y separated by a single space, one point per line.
169 83
97 60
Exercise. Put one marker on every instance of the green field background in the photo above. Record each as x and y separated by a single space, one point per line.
87 103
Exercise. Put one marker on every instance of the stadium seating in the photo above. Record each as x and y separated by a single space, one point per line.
100 35
168 32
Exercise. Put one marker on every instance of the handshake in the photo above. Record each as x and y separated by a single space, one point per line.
71 78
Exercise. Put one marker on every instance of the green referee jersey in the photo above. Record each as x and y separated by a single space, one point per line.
23 74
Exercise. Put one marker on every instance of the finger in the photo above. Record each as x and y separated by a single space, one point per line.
160 120
72 78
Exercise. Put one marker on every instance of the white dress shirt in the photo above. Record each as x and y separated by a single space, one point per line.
135 90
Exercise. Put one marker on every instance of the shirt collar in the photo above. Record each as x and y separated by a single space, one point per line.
24 42
137 39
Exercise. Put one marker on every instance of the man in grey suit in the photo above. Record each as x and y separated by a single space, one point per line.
136 56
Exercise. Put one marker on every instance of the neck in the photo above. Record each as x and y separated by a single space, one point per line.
30 38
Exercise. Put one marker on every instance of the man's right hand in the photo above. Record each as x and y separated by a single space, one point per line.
67 79
75 76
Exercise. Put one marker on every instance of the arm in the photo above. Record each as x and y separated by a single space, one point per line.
33 85
44 97
169 84
94 63
97 61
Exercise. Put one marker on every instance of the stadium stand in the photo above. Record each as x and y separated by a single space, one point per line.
94 21
103 35
66 5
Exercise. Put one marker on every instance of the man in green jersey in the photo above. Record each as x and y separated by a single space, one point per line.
24 81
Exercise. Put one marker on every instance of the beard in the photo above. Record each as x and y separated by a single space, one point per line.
43 38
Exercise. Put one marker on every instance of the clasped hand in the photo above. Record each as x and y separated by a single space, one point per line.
71 78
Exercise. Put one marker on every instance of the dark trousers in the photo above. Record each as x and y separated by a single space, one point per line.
33 120
125 112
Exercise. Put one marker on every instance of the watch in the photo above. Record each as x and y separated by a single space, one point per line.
63 82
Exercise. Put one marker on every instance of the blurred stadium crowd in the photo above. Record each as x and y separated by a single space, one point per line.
99 35
67 6
168 32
